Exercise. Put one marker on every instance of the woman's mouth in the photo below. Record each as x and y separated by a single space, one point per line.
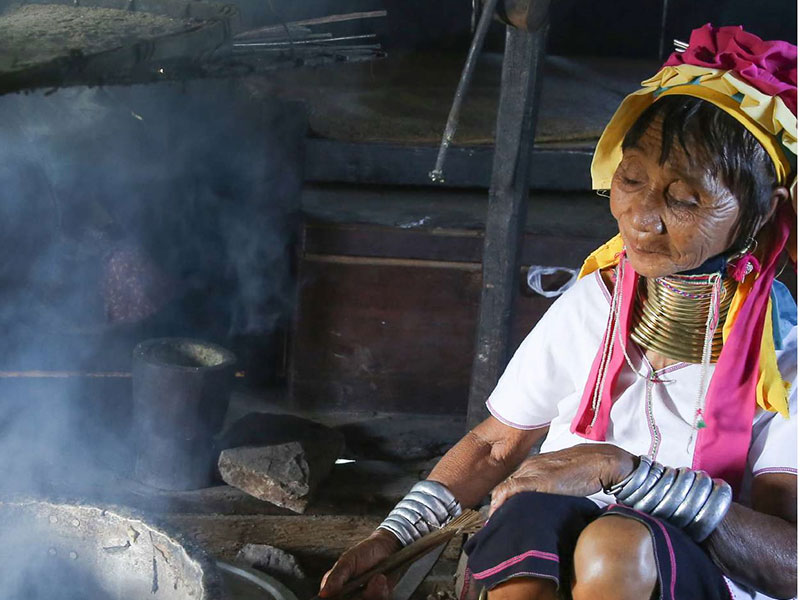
644 249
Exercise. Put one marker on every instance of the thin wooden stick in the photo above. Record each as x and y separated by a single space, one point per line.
468 522
371 14
316 21
321 42
63 374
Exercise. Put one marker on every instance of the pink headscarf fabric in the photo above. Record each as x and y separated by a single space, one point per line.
722 446
769 66
592 422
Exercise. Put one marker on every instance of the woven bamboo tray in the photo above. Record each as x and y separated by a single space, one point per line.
50 43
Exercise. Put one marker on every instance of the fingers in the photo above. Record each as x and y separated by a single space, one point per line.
377 589
358 559
507 489
499 495
323 583
334 580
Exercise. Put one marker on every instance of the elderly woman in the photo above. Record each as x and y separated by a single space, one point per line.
659 381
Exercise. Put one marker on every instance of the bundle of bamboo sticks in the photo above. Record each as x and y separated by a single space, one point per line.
301 37
468 522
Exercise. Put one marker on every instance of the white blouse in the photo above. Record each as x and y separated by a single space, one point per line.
544 381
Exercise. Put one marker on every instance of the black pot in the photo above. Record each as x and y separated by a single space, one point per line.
181 390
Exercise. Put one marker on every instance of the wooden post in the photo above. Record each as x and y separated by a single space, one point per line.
508 196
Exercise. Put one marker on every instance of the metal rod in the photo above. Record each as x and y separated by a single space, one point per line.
663 36
437 175
283 38
305 51
304 42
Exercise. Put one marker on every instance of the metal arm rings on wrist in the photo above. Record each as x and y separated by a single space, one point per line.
427 507
688 499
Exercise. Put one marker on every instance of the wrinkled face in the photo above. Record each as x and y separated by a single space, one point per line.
672 217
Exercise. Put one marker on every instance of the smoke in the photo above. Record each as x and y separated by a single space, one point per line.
31 572
128 213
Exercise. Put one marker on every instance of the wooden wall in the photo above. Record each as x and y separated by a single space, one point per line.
386 316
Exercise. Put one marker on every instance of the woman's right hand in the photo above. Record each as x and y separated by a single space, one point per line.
470 469
358 559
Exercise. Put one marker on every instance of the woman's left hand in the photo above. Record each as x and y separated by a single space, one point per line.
578 471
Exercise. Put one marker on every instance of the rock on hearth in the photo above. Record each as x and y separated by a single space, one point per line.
284 474
278 563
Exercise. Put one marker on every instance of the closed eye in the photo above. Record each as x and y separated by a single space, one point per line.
682 202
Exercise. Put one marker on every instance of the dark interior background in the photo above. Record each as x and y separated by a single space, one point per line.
578 27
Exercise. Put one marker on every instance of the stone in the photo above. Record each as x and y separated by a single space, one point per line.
279 564
283 474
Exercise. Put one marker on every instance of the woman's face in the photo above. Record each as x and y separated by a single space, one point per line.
672 217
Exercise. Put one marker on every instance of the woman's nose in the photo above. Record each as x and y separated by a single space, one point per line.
645 216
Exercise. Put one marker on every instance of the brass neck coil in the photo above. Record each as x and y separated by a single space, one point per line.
670 315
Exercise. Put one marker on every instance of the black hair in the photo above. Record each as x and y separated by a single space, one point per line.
708 134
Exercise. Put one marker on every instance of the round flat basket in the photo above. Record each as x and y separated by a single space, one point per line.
50 43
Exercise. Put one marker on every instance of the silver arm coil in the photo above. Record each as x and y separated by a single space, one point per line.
434 504
427 507
657 492
634 481
439 491
418 507
687 499
414 518
656 470
694 500
398 528
712 513
675 495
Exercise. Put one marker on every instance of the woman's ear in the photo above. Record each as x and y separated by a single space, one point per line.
779 194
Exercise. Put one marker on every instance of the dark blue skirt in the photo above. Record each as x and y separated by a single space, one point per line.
534 535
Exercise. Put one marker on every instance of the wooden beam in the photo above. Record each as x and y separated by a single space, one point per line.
322 241
508 194
310 537
331 161
321 537
391 262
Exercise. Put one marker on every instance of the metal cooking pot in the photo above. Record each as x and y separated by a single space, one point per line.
181 389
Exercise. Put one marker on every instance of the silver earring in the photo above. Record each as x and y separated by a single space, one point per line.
751 243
